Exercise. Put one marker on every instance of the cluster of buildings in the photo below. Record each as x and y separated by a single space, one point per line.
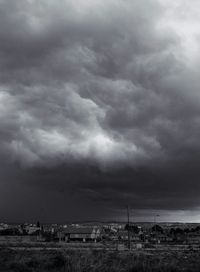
99 233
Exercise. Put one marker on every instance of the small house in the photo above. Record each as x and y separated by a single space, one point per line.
82 234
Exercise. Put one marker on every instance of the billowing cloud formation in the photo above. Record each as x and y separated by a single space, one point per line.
106 88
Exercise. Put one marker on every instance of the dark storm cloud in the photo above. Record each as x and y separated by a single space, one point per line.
100 96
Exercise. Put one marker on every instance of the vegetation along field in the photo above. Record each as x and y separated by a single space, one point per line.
85 261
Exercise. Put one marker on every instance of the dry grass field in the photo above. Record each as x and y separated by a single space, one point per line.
44 260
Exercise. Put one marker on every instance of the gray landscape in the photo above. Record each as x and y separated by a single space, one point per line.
100 246
99 135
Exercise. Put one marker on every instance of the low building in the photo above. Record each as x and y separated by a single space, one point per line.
82 234
3 226
31 229
193 238
122 235
134 237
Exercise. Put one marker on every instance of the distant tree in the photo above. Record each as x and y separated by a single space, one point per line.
11 231
194 230
186 230
172 231
42 229
157 228
23 229
132 228
197 229
179 231
107 230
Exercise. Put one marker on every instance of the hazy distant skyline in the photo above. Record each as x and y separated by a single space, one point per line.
99 108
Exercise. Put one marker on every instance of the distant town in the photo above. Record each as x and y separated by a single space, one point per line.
110 236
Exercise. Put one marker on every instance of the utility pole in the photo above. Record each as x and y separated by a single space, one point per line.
155 222
128 226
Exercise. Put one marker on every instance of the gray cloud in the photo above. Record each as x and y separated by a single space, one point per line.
101 94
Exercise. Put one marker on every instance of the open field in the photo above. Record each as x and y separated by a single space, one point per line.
43 260
172 248
100 246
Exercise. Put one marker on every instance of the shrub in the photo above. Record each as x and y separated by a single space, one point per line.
56 262
19 267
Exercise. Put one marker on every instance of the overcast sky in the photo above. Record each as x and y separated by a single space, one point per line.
99 108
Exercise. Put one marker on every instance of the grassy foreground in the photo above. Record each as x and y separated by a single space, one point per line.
86 261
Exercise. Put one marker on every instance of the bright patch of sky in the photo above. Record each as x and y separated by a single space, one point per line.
183 17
